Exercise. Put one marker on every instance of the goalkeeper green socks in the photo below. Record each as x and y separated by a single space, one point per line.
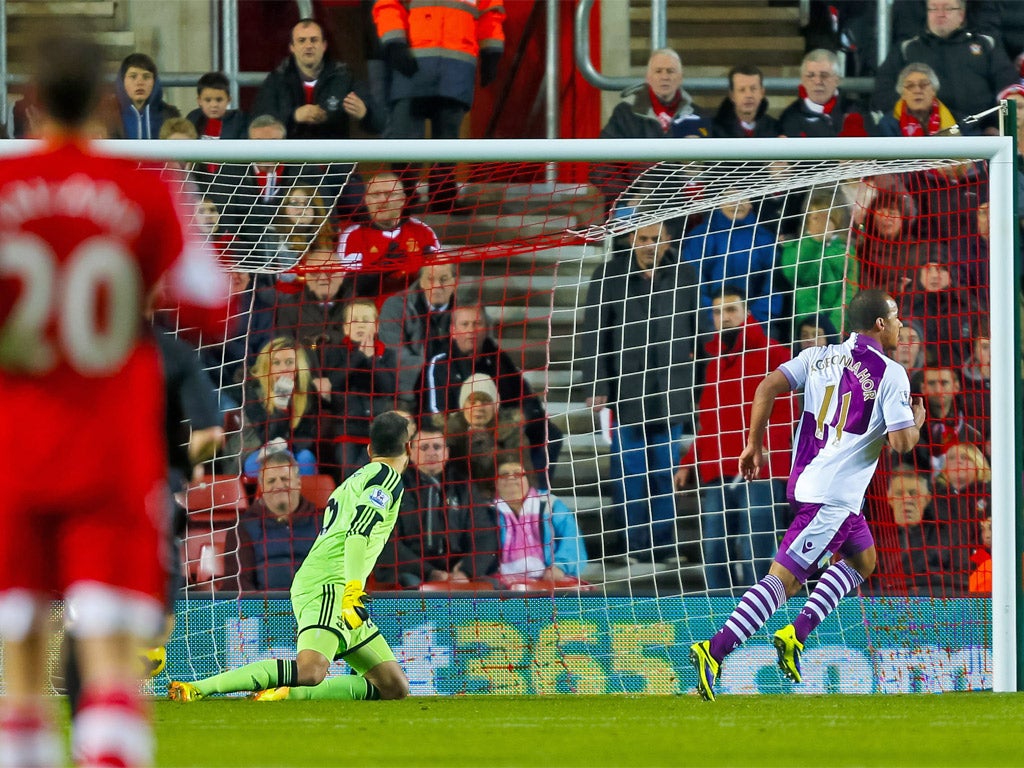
257 676
276 673
340 687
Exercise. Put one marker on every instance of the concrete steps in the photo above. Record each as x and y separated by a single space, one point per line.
96 9
535 301
713 36
721 33
105 20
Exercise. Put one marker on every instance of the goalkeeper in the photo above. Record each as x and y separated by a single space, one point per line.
327 593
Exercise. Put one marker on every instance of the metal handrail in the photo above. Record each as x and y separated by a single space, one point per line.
3 61
584 62
228 22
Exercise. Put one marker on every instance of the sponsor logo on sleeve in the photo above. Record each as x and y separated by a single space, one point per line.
380 498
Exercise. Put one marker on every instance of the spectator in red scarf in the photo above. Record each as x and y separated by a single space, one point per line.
918 111
660 108
973 67
821 110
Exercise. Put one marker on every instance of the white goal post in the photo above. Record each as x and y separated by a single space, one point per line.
998 152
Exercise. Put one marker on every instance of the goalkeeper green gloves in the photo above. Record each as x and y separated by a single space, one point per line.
353 605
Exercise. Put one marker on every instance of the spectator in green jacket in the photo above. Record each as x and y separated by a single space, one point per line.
817 267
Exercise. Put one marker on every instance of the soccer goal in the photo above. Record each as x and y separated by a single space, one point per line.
648 559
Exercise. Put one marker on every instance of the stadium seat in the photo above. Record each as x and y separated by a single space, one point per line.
474 585
318 489
233 420
548 585
372 585
207 561
218 499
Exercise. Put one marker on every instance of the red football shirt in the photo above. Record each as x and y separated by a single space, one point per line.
83 241
395 255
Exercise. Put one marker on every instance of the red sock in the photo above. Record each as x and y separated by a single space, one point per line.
27 738
112 729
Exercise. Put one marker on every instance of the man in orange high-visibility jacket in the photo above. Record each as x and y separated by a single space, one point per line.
431 49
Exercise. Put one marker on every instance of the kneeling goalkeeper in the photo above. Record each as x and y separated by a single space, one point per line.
328 596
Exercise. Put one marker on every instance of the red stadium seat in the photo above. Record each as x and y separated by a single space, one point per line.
372 585
318 489
219 499
233 420
207 561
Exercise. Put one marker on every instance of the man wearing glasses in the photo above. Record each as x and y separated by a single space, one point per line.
972 67
820 110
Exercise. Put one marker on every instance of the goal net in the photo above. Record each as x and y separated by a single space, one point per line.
580 362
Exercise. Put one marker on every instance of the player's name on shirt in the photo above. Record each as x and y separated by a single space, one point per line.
862 373
78 196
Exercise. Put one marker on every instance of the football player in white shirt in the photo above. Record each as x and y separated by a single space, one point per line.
855 398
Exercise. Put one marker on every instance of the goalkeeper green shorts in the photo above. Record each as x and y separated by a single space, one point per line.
321 629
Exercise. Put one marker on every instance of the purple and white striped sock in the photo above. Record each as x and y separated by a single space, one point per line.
835 583
755 608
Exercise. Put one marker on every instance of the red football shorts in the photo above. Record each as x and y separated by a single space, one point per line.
83 487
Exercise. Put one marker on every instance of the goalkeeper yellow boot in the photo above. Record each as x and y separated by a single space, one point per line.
707 669
152 661
789 649
272 694
181 691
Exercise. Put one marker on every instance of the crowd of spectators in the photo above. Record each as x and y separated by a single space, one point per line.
921 236
345 306
353 308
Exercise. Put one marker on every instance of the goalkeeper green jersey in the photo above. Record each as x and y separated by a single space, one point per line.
358 520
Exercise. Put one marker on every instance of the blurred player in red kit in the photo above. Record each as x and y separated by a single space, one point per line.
83 241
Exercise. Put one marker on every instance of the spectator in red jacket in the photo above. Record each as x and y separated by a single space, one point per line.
384 255
737 517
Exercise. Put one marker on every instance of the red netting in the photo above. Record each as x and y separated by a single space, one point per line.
353 297
923 236
336 303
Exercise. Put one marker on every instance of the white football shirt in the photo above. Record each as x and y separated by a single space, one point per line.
853 396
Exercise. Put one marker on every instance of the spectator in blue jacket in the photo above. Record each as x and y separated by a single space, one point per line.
278 530
732 247
140 99
539 535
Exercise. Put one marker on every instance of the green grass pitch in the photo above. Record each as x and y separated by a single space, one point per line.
971 729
